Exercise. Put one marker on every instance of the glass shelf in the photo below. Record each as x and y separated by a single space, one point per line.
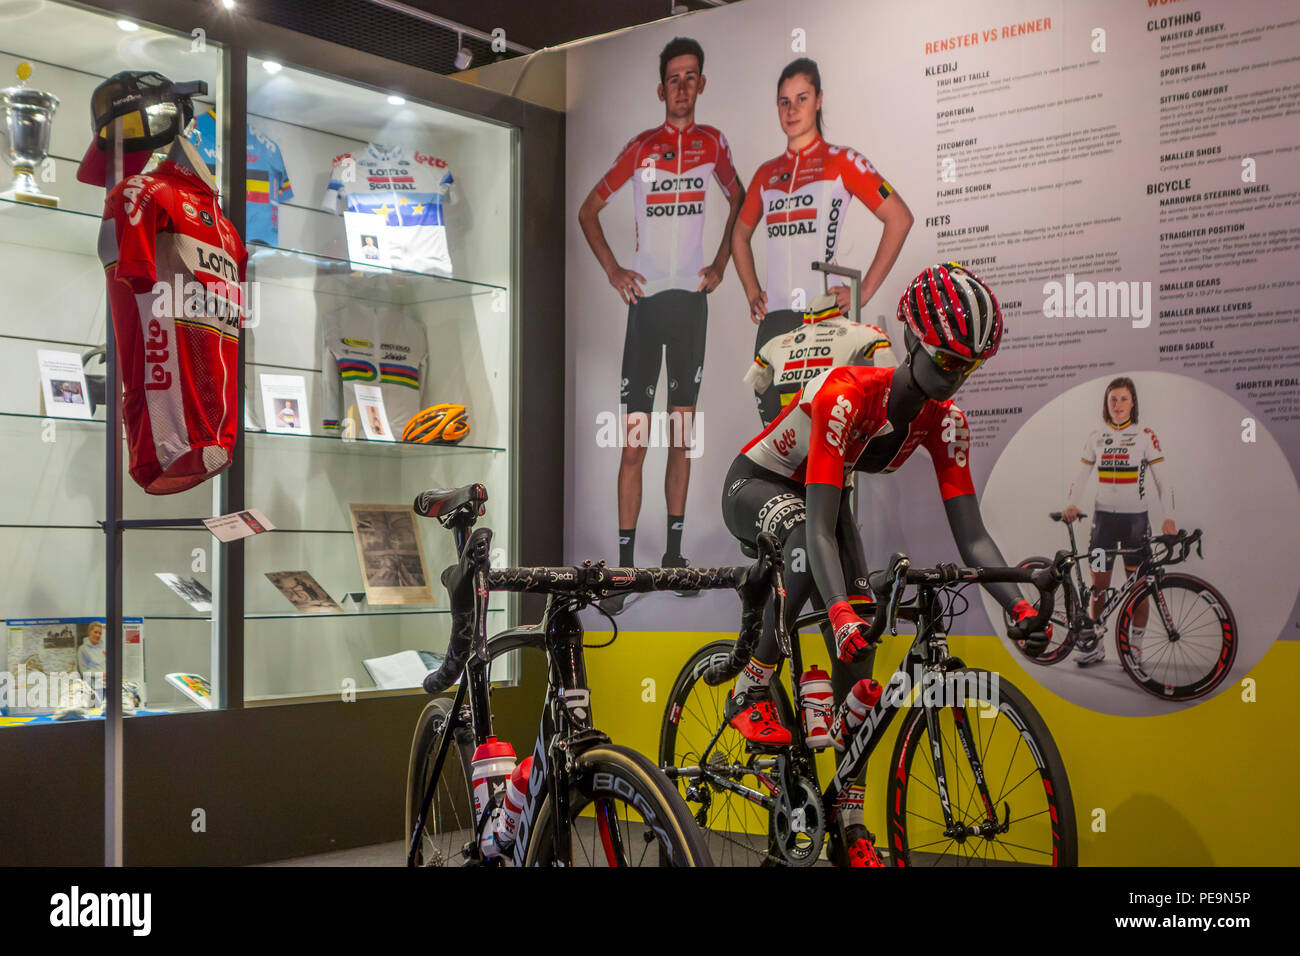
45 227
325 443
297 616
280 266
336 444
74 231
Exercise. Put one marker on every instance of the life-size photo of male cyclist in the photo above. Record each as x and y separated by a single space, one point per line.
666 288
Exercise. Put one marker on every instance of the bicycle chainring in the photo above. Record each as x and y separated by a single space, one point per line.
798 824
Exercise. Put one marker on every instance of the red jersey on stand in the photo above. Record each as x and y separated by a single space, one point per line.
174 265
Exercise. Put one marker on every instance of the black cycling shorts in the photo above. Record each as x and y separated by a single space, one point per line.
1118 529
755 500
675 321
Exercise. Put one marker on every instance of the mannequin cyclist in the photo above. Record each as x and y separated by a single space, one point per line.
790 480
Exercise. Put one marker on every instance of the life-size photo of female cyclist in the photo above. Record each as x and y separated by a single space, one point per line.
802 200
1124 454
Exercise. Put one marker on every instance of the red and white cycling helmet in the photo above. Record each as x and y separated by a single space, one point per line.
949 309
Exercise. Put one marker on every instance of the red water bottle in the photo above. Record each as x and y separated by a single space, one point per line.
815 689
494 761
861 698
516 792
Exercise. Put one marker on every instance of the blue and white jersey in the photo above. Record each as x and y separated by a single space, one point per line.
393 205
267 180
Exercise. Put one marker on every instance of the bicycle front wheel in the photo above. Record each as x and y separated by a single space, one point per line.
1190 640
449 826
986 730
622 812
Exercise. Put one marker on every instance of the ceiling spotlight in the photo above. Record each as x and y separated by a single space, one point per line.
271 66
126 26
463 59
228 4
396 100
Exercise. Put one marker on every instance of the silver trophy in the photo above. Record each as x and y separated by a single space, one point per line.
28 116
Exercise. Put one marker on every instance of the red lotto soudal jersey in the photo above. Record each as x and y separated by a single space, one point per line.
670 170
840 417
803 199
174 265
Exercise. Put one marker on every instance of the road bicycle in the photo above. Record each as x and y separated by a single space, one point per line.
975 777
1191 633
589 802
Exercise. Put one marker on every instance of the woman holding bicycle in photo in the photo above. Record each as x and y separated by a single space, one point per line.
1124 456
802 198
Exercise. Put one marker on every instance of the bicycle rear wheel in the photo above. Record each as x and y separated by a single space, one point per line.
1062 640
738 830
1190 641
450 823
637 818
1025 776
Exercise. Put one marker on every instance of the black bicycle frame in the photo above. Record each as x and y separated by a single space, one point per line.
1147 567
566 727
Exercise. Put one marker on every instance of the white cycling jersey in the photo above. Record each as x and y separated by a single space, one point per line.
790 360
670 170
1124 457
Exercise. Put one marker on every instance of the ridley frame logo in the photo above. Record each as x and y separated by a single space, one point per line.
538 779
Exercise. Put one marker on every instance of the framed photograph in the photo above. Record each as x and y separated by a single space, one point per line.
391 555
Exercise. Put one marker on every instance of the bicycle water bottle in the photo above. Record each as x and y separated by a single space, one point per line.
516 792
862 697
494 761
815 688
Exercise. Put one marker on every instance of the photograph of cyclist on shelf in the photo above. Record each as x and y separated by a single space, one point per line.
791 480
666 288
1124 455
803 198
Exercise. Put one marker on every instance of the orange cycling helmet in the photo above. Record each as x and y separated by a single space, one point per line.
438 424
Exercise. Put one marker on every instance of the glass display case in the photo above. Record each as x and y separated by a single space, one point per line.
382 255
381 236
52 316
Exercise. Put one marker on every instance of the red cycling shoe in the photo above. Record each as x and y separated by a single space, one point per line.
860 847
754 717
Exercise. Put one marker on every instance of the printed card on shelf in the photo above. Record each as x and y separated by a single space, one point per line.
284 404
195 687
374 420
239 524
63 384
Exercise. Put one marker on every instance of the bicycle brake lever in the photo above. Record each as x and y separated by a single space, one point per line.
895 595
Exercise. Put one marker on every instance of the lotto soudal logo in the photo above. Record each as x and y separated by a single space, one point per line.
126 910
430 160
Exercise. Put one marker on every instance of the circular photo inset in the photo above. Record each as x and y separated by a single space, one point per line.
1182 510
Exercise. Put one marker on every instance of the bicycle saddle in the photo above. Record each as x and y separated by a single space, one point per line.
1057 515
748 550
442 503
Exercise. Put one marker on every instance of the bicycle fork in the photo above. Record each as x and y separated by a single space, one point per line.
953 829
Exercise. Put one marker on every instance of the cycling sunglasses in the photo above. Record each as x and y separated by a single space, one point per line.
949 362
